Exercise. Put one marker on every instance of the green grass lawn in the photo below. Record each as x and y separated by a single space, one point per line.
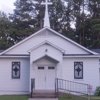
75 98
14 97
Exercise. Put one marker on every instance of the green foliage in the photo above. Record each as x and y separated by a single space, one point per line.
92 29
97 91
5 30
23 19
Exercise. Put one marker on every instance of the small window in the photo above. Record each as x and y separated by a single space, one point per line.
15 70
51 68
78 70
40 68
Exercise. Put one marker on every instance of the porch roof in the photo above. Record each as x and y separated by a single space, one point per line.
47 57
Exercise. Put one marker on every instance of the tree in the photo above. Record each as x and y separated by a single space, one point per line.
5 30
93 24
60 18
24 19
79 17
92 29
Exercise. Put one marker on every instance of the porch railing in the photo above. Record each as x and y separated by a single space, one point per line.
32 86
61 84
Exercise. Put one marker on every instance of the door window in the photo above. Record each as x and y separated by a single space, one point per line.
40 68
50 68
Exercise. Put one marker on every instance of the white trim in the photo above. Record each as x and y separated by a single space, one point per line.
47 42
53 32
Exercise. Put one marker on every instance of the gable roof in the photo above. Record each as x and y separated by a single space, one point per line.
54 33
47 42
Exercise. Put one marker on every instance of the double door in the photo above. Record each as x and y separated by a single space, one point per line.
45 79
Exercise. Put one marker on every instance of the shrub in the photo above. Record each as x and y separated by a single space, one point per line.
97 91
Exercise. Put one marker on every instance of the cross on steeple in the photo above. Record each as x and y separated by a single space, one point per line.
46 18
46 3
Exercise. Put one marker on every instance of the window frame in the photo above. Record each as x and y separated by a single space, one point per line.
75 77
19 70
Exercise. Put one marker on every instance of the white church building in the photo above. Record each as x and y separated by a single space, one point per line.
45 56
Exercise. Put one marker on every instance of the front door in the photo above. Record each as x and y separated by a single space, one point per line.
45 79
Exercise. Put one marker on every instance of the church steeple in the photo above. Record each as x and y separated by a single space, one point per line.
46 18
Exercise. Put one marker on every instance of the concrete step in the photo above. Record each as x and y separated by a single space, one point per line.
43 95
43 99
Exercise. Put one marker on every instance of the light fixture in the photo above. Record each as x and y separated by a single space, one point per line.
46 50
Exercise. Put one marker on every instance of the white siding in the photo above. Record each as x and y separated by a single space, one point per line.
90 70
14 86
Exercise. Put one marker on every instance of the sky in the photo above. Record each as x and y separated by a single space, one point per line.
7 6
